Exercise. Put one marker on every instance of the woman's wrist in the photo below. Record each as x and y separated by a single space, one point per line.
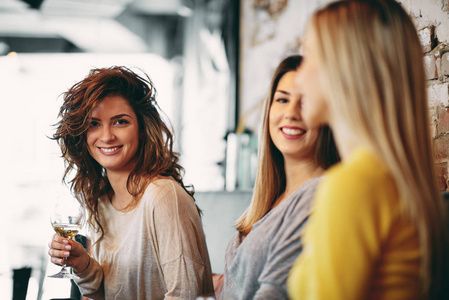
83 266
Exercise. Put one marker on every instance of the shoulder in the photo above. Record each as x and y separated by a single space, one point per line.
363 172
301 199
363 180
234 243
164 187
308 188
166 193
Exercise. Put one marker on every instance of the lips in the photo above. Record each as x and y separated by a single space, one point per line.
110 150
292 131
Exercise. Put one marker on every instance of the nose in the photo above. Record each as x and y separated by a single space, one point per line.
107 134
293 110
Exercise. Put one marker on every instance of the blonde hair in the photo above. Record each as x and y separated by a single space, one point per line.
372 61
270 179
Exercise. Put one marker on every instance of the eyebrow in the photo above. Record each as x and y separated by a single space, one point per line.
282 91
114 117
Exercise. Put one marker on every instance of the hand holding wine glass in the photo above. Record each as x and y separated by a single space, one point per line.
67 219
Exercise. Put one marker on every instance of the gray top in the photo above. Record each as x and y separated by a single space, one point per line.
156 251
257 266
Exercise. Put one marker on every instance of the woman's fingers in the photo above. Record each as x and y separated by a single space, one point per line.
58 253
58 241
67 252
79 259
58 261
76 248
58 256
59 248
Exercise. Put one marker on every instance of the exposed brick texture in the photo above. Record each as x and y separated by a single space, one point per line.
445 64
426 36
433 117
438 94
430 66
442 176
441 148
443 125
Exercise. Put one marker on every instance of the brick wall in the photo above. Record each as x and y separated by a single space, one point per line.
277 27
433 29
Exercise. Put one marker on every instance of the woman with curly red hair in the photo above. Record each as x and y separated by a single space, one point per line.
146 230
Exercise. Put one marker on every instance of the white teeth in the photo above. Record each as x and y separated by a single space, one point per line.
292 131
109 149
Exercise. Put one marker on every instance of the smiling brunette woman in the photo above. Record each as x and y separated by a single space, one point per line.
148 241
292 157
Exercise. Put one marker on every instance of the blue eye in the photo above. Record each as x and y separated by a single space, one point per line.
282 100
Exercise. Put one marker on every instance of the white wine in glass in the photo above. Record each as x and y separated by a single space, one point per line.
67 219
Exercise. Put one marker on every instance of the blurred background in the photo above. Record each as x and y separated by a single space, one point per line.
188 48
211 62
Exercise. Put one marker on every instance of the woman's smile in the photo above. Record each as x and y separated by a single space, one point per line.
113 136
288 130
110 150
291 132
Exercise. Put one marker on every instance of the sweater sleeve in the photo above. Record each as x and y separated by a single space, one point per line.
90 281
181 245
343 238
284 249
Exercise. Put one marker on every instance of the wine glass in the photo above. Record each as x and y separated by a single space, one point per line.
67 219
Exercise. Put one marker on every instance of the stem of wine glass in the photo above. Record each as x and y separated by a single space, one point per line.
64 266
65 263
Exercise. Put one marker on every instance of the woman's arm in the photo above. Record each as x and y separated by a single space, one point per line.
90 281
181 245
284 249
218 283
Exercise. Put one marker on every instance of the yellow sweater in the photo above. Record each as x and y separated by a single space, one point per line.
357 244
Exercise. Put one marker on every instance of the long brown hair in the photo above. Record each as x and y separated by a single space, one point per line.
270 179
372 63
155 155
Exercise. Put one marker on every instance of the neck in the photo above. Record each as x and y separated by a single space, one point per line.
121 198
298 172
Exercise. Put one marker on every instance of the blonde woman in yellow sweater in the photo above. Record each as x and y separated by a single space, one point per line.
377 227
